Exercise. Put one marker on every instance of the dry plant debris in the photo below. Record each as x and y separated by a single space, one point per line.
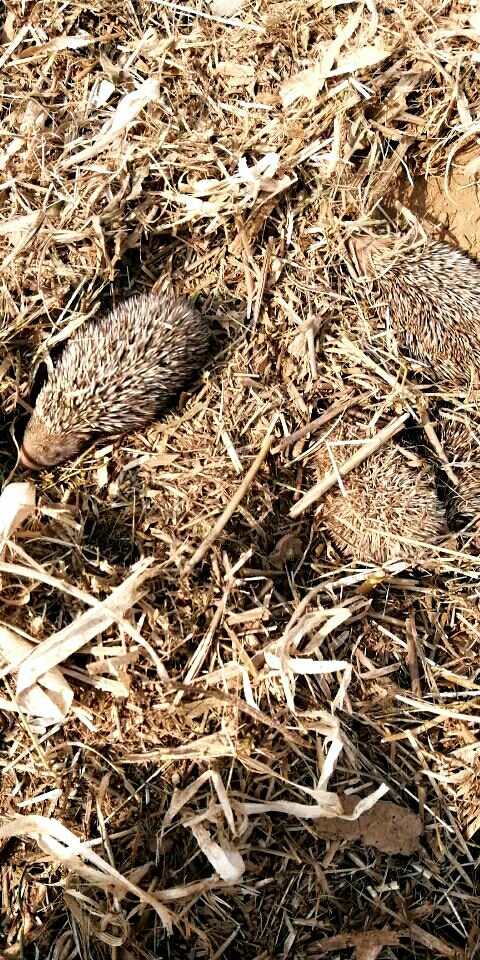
236 685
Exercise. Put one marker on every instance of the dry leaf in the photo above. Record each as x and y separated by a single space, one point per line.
47 701
102 476
369 951
226 8
287 549
367 943
7 31
56 44
227 863
61 844
101 93
63 644
33 119
368 56
288 667
306 84
126 113
330 805
18 227
32 122
239 74
305 666
132 103
17 503
182 797
333 51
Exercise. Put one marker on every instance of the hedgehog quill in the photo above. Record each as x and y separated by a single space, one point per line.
461 444
115 375
389 510
433 293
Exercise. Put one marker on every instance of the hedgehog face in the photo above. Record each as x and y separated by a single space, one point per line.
42 448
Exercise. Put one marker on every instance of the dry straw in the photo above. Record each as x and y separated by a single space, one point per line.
238 689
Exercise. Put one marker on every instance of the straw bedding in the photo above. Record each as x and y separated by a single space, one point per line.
236 684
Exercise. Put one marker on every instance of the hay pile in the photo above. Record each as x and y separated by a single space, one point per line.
238 689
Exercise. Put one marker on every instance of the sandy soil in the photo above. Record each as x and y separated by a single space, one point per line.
449 211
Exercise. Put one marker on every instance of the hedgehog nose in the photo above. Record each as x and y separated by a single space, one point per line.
24 460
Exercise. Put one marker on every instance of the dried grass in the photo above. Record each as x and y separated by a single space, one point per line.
230 150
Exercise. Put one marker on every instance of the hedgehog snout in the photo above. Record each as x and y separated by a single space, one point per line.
43 449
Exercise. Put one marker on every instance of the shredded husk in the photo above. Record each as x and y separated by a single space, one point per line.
241 693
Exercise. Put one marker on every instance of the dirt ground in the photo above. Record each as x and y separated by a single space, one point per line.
446 203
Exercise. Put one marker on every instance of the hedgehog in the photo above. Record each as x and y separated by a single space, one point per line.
461 443
115 375
390 511
433 294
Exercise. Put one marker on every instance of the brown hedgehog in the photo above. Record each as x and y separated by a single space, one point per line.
391 510
461 442
115 375
433 292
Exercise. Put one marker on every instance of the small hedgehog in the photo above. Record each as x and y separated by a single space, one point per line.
115 375
461 443
391 510
433 292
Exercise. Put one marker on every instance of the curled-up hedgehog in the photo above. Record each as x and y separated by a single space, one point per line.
115 375
461 443
433 294
390 510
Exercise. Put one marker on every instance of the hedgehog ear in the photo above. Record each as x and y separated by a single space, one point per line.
36 444
43 449
30 454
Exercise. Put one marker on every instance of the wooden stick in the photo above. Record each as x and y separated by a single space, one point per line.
334 411
437 446
261 284
409 391
366 449
201 652
412 658
232 506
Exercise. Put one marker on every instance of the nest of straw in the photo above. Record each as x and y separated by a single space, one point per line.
237 688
